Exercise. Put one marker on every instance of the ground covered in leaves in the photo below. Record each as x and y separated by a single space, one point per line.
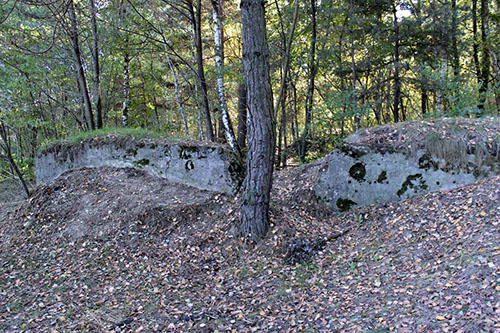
118 250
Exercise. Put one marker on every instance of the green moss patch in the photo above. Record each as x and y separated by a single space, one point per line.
412 181
382 177
344 204
358 171
141 163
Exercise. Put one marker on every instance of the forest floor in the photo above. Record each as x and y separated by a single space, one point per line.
118 250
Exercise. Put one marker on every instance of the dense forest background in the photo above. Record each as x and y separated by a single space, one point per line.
175 67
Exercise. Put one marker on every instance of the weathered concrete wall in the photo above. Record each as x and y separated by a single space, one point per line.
355 176
208 167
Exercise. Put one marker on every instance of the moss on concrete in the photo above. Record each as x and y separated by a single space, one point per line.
344 204
358 172
412 181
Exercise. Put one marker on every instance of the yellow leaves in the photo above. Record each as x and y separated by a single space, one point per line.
482 213
440 318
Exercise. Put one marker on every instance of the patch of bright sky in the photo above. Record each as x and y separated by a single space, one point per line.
401 13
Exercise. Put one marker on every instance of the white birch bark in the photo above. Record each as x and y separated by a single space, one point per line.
228 129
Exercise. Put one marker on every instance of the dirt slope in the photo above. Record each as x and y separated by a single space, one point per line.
117 249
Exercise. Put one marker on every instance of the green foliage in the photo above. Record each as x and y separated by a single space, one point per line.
39 93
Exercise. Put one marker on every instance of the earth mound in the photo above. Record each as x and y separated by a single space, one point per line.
431 263
471 133
108 202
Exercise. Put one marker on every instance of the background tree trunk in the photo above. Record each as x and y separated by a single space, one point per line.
475 43
177 96
196 21
6 146
354 97
310 89
95 61
82 81
397 81
485 49
126 89
254 213
219 64
454 44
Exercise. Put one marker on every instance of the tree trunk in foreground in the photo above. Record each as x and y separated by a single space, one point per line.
261 123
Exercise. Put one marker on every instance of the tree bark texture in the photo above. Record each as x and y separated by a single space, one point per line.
242 115
254 222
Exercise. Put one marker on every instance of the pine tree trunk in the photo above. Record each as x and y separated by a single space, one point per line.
254 222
